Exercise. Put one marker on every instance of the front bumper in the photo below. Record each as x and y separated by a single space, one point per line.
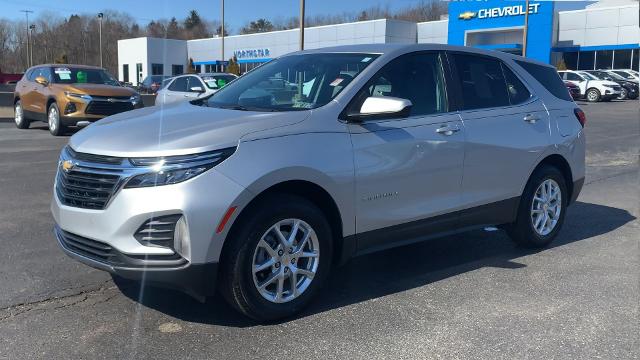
176 273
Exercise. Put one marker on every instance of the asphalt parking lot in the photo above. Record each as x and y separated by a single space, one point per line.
474 295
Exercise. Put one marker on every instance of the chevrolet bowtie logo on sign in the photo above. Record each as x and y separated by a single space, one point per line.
467 15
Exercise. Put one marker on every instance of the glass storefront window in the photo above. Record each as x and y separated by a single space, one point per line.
604 59
634 60
586 60
622 59
571 60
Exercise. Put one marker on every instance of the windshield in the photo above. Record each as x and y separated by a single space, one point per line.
68 75
290 83
217 81
624 74
611 75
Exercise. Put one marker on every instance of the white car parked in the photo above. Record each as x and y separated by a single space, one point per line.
192 86
592 88
629 75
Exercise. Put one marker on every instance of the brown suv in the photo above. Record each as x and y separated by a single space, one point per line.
65 95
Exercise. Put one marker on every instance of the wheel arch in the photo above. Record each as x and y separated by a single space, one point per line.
305 189
559 162
50 100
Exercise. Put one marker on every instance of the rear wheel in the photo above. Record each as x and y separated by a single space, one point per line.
21 121
542 209
278 259
593 95
53 119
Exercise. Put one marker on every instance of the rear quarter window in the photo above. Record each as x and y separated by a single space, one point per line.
548 77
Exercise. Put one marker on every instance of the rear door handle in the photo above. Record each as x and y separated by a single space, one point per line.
447 130
531 119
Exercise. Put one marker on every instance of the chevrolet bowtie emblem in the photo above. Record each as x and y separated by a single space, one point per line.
467 15
67 165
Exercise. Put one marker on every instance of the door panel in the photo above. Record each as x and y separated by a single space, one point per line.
406 170
501 149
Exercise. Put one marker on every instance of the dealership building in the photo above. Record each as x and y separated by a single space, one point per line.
602 35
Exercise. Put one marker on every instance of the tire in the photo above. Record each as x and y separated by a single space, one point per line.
523 231
53 120
21 121
593 95
238 282
624 94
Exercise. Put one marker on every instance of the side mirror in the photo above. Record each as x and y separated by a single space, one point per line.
42 81
197 89
386 107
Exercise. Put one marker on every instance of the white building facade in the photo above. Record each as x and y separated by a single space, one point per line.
603 35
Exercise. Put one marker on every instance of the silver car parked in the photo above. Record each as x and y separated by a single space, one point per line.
190 87
318 156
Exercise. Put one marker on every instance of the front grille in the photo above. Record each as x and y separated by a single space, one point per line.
106 108
92 249
90 182
84 189
158 231
106 254
616 87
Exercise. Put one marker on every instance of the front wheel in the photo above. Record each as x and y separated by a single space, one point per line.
278 258
542 209
53 119
593 95
623 94
21 121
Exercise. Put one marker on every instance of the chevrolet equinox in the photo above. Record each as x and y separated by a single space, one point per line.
316 157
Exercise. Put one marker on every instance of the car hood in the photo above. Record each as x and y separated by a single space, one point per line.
176 129
98 89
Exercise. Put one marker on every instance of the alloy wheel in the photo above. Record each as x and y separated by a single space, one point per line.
546 207
53 119
18 114
285 260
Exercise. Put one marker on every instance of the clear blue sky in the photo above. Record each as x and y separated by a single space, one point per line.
237 12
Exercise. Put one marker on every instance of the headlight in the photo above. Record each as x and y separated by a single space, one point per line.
174 169
78 96
135 98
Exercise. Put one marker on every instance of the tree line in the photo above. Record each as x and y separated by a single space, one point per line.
75 39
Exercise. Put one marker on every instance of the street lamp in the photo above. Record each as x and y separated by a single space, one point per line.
100 16
27 12
222 35
32 27
301 24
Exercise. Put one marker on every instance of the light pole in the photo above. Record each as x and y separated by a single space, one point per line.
301 24
31 28
100 16
526 29
222 35
27 12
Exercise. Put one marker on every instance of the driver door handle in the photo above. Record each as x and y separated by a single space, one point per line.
531 119
447 130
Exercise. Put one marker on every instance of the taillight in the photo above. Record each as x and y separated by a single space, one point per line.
582 118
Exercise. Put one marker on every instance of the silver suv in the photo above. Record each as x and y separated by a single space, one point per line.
316 157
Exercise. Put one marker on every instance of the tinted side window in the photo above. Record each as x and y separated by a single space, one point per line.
518 93
548 77
416 77
179 84
192 82
572 77
481 81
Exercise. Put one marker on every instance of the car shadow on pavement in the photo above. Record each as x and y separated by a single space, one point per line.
387 272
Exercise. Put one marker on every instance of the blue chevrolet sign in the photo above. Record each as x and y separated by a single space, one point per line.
495 16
